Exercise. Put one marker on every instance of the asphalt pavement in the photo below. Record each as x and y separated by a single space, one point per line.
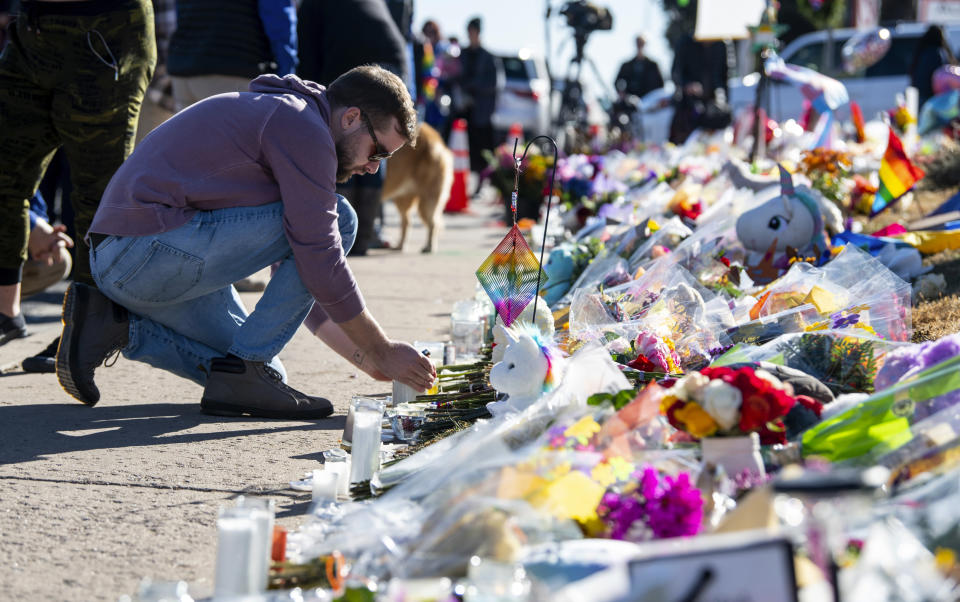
92 499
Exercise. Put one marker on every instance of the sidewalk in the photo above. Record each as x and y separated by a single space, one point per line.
94 499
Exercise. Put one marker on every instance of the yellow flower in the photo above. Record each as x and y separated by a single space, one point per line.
698 422
611 471
582 430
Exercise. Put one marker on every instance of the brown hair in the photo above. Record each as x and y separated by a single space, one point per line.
380 95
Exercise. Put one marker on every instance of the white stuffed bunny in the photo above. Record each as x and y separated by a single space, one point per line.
528 368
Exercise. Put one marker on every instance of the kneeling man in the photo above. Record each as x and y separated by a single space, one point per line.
233 184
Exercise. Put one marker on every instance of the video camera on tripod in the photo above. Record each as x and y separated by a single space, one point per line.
586 17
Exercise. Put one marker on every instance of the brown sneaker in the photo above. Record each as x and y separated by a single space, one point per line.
237 386
94 327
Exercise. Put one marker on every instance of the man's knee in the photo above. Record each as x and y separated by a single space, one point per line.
346 223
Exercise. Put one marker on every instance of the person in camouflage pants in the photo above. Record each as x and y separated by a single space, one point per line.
73 74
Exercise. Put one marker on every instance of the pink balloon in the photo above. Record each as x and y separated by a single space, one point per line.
946 78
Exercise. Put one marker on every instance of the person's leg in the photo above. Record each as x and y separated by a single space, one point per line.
27 142
97 107
184 315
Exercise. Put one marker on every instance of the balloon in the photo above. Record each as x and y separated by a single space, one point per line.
864 49
946 78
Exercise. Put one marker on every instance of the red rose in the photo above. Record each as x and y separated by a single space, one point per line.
762 402
723 373
642 363
725 261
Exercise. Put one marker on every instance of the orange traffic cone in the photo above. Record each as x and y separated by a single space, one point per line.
461 168
515 133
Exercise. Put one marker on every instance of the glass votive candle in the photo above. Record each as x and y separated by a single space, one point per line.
324 486
337 461
263 512
467 336
365 440
404 393
238 558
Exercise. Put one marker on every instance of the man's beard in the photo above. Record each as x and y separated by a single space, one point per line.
344 152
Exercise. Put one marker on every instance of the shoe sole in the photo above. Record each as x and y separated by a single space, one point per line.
219 408
74 305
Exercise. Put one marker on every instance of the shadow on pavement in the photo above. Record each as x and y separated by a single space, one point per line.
36 430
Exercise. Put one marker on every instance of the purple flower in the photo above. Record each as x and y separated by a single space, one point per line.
653 508
841 321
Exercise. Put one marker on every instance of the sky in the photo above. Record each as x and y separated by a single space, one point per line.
509 25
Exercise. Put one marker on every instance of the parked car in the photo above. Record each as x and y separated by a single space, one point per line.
524 96
874 88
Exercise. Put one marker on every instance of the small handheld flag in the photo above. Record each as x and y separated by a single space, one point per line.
897 175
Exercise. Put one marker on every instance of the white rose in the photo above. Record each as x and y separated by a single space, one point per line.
695 384
722 402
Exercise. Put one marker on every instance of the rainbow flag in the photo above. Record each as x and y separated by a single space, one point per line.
897 175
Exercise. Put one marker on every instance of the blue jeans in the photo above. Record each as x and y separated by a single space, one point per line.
178 288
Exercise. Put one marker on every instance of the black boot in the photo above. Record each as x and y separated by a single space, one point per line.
94 327
237 386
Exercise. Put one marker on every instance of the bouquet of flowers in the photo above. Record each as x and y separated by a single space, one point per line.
648 353
730 402
532 183
652 506
584 184
828 171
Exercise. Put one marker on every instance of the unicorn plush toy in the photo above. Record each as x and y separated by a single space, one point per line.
793 219
531 366
544 325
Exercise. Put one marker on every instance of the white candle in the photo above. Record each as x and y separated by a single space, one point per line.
324 486
365 452
261 511
236 537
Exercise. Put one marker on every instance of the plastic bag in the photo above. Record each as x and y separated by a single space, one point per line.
884 418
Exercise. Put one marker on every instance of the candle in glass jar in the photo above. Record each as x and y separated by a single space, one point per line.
262 512
236 542
365 451
324 486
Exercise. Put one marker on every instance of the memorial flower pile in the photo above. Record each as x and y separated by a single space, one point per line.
729 402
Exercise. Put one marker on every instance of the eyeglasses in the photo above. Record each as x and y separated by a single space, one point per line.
380 153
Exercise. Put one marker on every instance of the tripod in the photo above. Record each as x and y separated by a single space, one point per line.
573 110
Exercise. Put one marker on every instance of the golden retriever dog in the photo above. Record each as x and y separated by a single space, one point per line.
420 176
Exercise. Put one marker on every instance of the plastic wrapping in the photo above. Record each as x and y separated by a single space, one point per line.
853 291
882 422
845 361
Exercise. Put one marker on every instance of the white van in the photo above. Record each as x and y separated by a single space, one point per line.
874 88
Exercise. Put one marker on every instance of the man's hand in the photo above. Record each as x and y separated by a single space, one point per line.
400 361
361 341
46 241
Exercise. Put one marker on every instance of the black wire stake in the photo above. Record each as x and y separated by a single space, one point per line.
546 220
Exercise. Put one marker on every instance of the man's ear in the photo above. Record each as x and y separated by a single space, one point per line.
350 119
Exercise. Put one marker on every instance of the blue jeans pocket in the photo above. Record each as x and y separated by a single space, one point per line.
165 274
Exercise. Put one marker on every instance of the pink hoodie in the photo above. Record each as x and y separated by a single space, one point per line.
240 150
